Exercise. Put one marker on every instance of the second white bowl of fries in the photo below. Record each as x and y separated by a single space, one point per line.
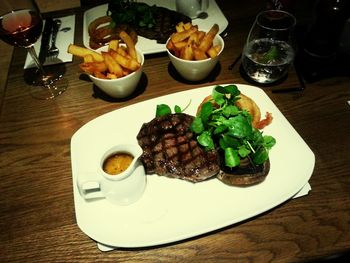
116 68
193 52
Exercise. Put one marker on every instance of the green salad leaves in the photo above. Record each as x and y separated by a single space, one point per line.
221 125
164 109
226 127
132 13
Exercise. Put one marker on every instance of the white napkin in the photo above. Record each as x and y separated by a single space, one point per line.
64 38
303 191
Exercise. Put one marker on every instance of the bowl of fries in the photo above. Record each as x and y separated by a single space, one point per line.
193 52
115 68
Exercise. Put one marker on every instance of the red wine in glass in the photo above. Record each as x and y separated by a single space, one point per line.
21 26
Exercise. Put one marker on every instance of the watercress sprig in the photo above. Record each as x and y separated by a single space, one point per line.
228 128
164 109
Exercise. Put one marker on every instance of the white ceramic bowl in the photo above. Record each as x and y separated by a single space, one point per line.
199 69
121 87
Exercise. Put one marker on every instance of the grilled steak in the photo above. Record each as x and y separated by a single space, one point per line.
166 20
170 149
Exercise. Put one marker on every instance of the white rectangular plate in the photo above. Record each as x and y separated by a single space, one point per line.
172 209
149 46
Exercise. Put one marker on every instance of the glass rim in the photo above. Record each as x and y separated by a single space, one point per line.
276 11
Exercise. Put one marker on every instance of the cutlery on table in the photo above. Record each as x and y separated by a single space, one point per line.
45 39
54 51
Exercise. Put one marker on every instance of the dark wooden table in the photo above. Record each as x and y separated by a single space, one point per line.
37 218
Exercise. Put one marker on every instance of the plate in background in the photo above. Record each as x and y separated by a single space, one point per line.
149 46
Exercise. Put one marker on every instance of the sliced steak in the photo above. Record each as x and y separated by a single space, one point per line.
170 149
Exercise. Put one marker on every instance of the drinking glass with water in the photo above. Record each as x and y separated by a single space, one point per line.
269 50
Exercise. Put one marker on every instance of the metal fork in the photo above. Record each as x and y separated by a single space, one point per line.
54 51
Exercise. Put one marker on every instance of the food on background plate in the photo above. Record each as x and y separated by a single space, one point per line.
152 22
120 60
190 43
103 29
173 144
136 18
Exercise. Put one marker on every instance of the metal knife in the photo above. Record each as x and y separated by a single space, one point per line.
45 39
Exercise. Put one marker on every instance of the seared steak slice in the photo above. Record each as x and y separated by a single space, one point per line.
170 149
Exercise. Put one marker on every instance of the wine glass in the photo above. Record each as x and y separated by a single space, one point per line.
270 47
20 26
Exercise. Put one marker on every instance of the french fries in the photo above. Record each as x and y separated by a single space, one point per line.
112 65
129 43
181 36
118 61
207 40
93 67
82 52
192 44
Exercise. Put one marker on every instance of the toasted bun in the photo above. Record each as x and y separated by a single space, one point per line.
246 103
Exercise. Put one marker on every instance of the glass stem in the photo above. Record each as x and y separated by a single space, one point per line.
34 56
45 82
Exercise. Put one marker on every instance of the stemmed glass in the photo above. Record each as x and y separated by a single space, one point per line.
20 26
270 47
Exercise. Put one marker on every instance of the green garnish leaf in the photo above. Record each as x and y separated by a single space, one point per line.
177 109
207 109
231 157
230 110
231 141
270 55
162 109
269 141
232 90
197 125
220 129
260 156
239 126
205 140
218 96
243 151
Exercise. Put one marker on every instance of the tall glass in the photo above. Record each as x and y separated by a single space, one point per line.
270 47
20 26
